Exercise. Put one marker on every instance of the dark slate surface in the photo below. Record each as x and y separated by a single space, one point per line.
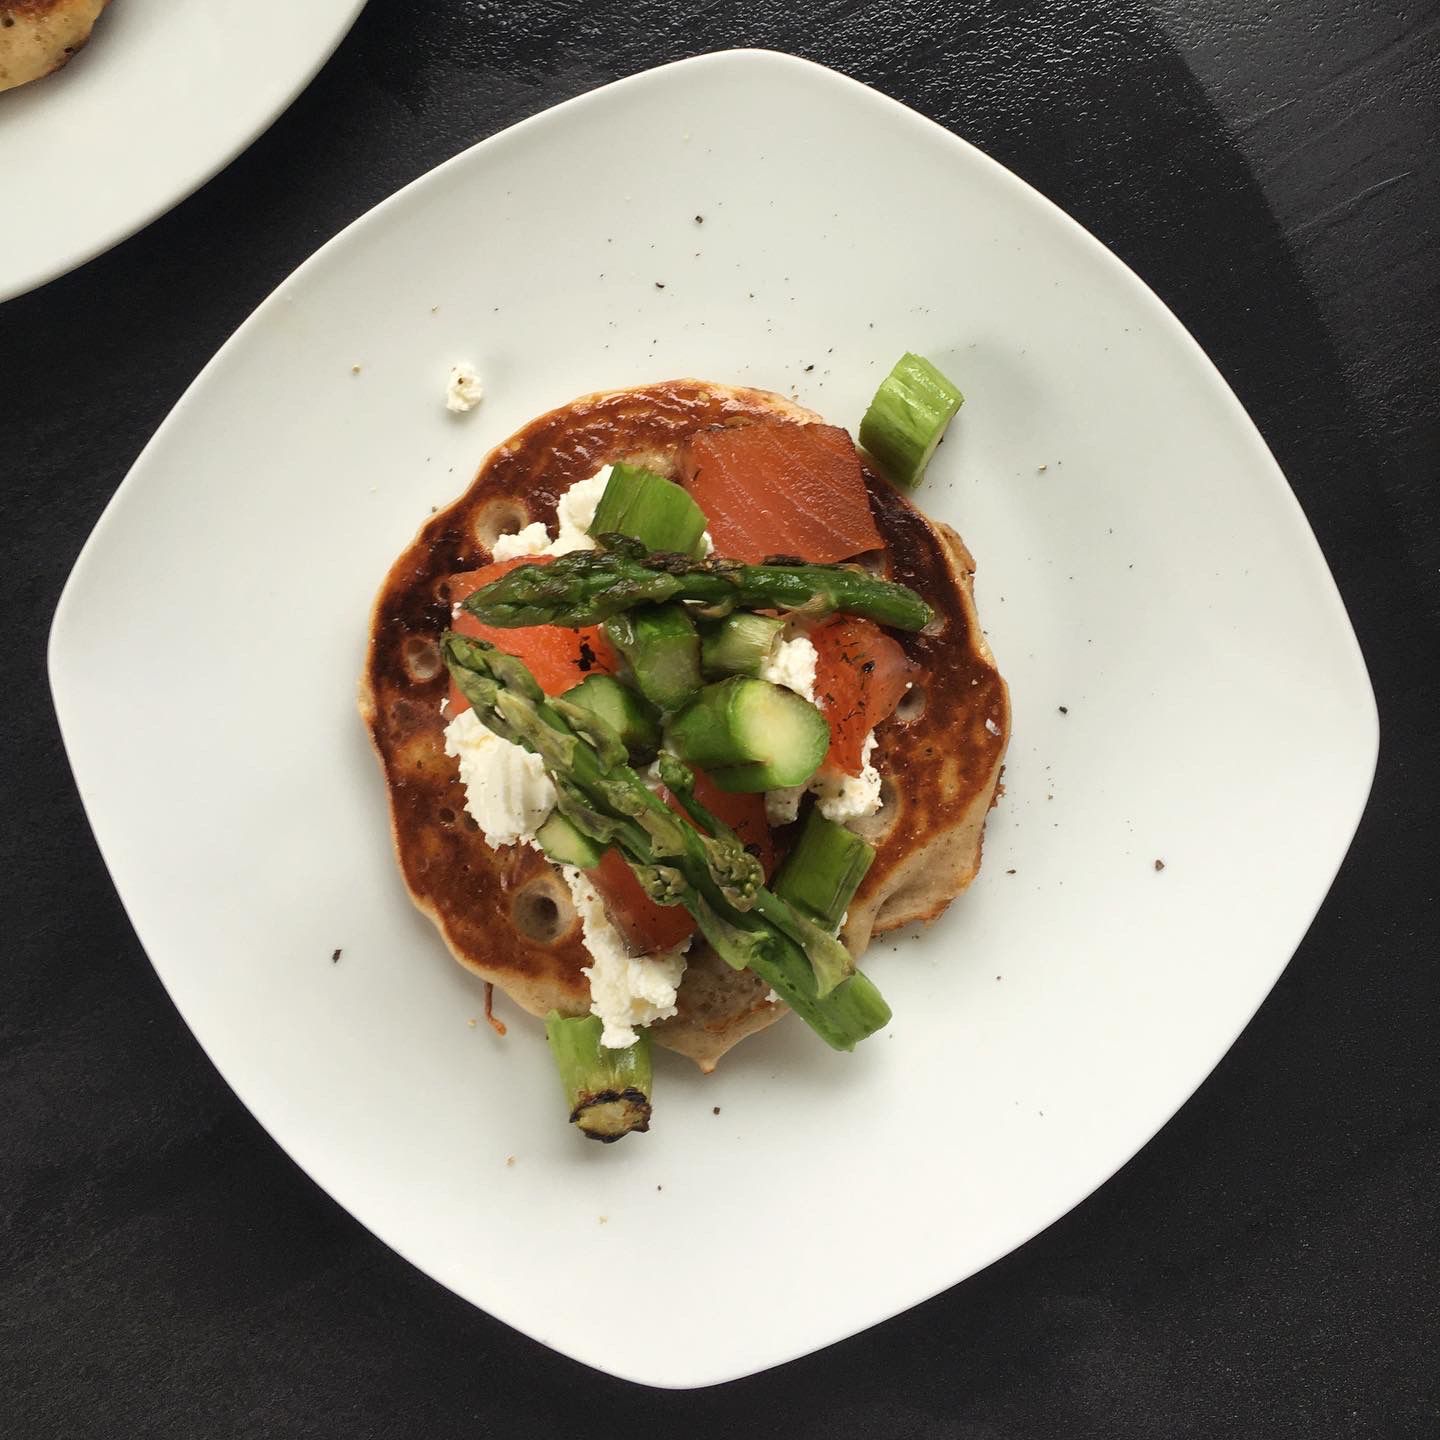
1270 1264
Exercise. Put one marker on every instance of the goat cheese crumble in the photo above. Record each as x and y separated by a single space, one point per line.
840 797
626 991
792 664
783 806
507 791
574 514
534 539
850 797
463 391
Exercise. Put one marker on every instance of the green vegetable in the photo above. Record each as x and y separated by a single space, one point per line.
907 418
663 651
739 644
632 717
841 1007
829 959
677 863
588 586
824 870
651 509
749 735
566 845
608 1091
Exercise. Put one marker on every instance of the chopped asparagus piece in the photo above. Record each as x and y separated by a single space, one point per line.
661 646
564 843
749 735
823 871
629 714
588 586
651 509
739 644
608 1091
907 418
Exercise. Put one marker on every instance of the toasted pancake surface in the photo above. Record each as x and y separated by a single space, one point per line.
39 36
506 914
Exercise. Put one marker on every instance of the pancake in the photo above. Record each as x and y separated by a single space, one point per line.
37 37
506 914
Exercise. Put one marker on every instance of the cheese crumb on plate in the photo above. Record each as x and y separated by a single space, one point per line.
463 390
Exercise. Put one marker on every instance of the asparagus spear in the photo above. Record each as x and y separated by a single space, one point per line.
632 717
588 586
597 791
823 870
566 844
739 644
677 863
829 959
608 1091
653 510
749 735
661 647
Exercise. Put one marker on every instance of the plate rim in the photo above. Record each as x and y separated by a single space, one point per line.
1364 761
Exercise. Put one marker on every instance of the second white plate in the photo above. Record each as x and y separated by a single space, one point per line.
163 96
1186 688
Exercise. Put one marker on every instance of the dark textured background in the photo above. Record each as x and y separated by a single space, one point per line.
1270 1264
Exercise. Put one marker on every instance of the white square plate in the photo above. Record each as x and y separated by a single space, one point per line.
1142 564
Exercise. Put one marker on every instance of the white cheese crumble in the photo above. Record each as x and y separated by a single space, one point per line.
463 391
792 664
574 514
534 539
840 797
782 806
626 991
850 797
507 791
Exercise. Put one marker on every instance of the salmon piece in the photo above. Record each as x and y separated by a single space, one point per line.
780 490
646 926
861 675
558 658
744 814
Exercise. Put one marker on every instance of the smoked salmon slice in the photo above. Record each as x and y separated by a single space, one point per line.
861 675
780 490
557 658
